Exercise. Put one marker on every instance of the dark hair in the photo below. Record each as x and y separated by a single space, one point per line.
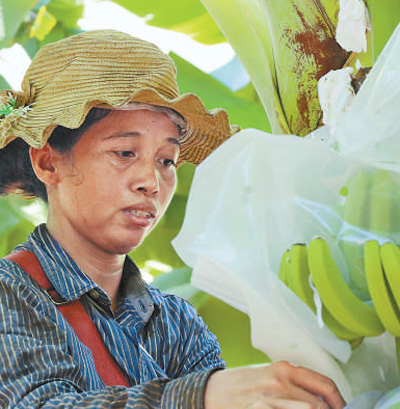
16 172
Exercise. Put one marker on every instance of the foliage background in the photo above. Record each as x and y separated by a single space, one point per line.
34 23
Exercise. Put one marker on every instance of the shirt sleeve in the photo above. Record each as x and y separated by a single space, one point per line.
195 348
38 370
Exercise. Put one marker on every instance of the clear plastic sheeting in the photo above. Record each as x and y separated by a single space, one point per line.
258 194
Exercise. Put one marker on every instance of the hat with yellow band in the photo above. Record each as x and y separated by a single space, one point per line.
105 68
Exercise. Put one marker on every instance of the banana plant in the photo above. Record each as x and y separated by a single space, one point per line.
286 47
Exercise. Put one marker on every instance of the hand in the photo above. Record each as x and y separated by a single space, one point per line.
274 386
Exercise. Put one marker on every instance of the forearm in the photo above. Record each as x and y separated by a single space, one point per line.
186 392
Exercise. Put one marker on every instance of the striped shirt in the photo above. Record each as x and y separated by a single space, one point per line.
160 343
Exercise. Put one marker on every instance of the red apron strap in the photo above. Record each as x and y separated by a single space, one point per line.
78 318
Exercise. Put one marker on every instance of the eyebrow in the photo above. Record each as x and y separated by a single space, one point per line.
137 134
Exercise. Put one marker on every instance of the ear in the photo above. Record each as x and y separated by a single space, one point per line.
44 164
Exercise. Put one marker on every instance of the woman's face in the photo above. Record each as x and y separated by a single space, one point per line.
117 182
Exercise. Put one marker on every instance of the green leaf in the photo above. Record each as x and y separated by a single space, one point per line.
8 217
243 110
15 223
232 328
12 14
186 16
245 27
43 24
15 237
67 12
384 17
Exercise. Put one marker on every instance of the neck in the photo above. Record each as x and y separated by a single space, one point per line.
103 268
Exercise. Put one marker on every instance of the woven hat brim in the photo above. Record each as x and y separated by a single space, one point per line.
68 78
206 129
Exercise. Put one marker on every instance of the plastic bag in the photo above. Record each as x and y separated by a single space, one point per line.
259 193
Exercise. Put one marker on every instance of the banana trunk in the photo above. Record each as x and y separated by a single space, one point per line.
305 49
285 46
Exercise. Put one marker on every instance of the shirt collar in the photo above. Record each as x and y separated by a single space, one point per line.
71 282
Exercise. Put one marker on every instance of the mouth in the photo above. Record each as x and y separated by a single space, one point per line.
141 213
142 216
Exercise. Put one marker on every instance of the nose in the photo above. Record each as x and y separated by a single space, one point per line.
146 180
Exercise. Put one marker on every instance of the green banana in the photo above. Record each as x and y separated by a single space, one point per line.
284 267
357 188
380 202
338 329
390 255
379 289
298 275
356 216
295 273
338 298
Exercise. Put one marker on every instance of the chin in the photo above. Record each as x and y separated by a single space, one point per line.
124 247
120 241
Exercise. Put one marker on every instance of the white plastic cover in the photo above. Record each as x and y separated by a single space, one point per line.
259 193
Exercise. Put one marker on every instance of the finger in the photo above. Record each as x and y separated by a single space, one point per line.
319 385
291 404
301 396
259 405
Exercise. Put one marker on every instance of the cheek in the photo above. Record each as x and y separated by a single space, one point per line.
170 187
90 193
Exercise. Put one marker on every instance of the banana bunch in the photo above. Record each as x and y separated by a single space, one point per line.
304 269
370 210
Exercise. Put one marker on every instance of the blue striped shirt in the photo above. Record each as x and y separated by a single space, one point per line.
160 343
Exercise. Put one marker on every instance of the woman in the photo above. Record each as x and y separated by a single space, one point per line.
98 132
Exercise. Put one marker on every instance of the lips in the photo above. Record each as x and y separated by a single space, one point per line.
141 214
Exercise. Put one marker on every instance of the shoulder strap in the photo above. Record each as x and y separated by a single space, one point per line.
77 317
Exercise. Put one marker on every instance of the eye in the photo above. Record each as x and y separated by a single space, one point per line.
169 163
125 154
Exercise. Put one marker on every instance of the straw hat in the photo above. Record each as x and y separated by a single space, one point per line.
105 67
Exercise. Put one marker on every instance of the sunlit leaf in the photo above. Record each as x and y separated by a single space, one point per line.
244 25
43 24
8 217
12 14
384 16
67 12
15 223
242 110
186 16
232 329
